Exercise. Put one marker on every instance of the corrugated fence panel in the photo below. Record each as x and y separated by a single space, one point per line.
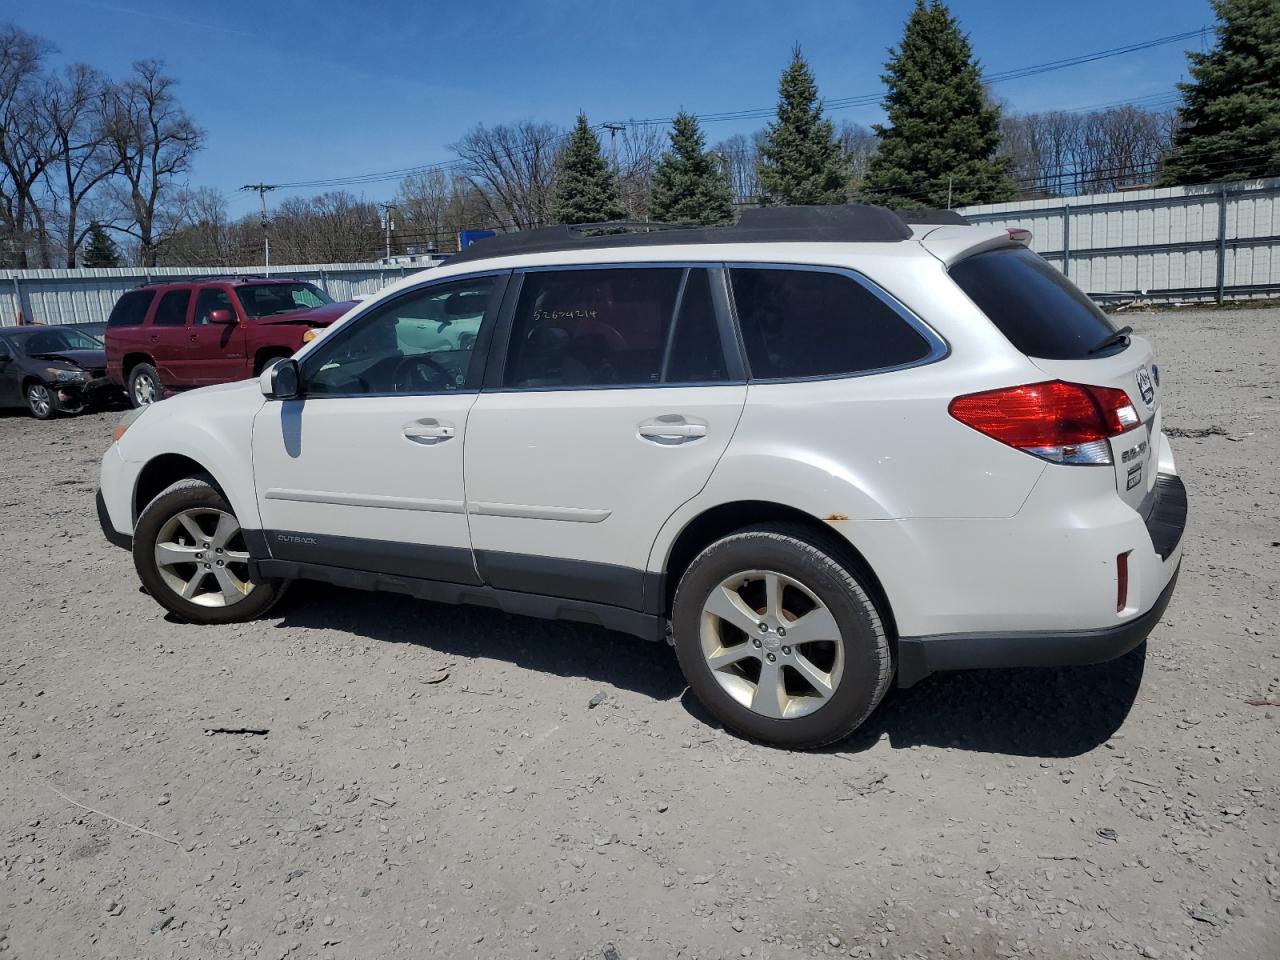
87 296
1165 242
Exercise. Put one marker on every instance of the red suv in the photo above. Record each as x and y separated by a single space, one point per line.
163 337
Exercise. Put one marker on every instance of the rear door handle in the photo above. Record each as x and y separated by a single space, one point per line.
429 431
672 428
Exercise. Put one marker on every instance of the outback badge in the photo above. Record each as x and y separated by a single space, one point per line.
1145 387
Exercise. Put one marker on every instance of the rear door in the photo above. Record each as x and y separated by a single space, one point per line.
614 400
216 352
170 339
1063 332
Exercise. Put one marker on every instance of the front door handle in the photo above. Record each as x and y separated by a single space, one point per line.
672 428
429 431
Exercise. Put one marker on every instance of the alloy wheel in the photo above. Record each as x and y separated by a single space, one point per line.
144 389
771 644
40 399
201 556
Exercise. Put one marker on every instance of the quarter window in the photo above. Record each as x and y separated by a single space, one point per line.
172 310
131 309
419 343
818 323
632 326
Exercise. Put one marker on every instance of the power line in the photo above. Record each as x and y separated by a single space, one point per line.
838 103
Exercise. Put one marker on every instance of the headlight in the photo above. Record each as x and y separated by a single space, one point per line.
69 376
127 421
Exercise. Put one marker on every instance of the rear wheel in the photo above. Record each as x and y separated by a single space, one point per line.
779 637
144 385
40 401
191 555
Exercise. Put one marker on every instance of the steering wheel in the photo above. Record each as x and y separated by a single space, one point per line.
420 372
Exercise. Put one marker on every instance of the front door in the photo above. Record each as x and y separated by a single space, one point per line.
170 337
365 470
216 353
615 401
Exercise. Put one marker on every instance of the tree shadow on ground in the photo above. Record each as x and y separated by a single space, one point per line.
1050 712
546 646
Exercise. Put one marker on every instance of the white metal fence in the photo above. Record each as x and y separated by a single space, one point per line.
87 295
1210 242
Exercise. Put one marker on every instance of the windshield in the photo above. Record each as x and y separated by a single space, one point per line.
52 340
269 299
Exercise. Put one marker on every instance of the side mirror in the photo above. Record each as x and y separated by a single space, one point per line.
281 380
222 315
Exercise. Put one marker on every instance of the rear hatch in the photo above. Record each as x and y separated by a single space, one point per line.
1064 334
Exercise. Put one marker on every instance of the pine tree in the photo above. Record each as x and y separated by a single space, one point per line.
689 184
941 139
801 160
101 250
1231 110
586 189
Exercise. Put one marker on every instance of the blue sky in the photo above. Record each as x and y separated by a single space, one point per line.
290 90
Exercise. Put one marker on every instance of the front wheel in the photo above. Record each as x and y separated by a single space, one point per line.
191 555
40 401
779 637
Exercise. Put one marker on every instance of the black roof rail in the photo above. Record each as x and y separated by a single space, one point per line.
228 277
843 223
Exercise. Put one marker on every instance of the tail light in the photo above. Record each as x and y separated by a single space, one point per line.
1056 421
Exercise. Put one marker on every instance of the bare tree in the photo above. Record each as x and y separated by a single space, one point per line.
859 144
26 145
328 228
154 140
741 157
433 206
513 166
76 112
203 236
639 148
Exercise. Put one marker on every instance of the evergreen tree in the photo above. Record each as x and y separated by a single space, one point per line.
800 159
689 184
101 250
1231 110
942 135
586 189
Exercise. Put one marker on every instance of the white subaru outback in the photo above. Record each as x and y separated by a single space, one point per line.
815 450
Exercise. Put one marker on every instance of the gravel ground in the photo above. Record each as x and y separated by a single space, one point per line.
436 782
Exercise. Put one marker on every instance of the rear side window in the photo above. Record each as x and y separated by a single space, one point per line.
816 323
634 326
1039 311
131 309
172 311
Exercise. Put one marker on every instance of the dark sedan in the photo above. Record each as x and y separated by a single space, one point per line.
52 370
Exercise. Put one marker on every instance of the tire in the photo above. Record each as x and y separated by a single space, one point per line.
221 589
813 691
144 385
40 400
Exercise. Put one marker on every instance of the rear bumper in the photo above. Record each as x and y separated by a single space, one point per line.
920 656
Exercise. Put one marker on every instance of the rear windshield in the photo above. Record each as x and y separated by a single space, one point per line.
1040 311
130 309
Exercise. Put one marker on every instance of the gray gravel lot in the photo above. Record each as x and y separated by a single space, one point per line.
434 782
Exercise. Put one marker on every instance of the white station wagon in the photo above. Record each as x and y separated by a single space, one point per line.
815 450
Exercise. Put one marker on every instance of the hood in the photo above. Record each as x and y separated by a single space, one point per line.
320 316
86 359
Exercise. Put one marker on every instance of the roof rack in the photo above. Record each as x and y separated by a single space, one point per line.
228 277
845 223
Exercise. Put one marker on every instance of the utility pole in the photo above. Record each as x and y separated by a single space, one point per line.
949 179
262 189
388 224
614 129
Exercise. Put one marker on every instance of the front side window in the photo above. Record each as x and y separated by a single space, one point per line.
818 323
271 299
209 300
421 342
172 309
131 309
632 326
